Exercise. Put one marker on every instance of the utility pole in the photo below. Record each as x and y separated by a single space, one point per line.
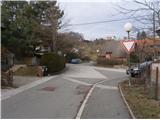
154 26
154 34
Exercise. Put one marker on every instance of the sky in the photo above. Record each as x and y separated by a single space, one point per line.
92 11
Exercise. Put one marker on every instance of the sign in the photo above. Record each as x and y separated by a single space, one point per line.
128 45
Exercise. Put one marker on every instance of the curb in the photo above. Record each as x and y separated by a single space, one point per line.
126 103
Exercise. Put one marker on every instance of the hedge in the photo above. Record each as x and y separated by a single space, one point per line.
54 62
110 62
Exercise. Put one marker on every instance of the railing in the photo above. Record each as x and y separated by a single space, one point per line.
151 77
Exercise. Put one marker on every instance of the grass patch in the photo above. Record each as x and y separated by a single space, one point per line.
28 71
143 107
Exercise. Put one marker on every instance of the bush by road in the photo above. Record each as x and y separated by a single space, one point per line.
54 62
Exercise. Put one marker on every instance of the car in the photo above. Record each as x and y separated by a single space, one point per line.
133 71
75 61
138 69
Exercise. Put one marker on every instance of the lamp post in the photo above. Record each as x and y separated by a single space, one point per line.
97 51
128 28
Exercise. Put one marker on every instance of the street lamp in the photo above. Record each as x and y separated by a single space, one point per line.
128 28
97 52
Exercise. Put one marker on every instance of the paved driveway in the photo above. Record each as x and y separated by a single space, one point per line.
61 96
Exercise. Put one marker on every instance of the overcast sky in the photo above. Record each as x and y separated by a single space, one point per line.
92 11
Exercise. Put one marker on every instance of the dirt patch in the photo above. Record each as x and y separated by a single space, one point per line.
49 88
29 71
143 107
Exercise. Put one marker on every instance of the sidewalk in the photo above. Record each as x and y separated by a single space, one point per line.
19 81
105 104
24 83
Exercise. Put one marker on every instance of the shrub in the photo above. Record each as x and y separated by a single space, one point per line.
54 62
86 58
111 62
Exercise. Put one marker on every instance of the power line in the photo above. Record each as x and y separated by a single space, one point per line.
107 21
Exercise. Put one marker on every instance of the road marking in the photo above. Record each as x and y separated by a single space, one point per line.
79 114
84 72
88 84
110 69
11 93
107 87
76 81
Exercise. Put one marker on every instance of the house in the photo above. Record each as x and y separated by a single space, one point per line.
113 49
147 48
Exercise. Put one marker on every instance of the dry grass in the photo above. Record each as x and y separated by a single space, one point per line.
27 71
142 106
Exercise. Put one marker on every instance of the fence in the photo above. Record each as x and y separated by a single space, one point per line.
151 77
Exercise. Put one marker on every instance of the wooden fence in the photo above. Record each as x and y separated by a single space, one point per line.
151 78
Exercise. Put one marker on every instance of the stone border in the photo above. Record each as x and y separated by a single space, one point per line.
126 103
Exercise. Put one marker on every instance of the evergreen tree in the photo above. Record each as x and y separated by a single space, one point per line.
26 23
143 35
138 36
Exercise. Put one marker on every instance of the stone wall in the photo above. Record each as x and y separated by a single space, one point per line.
7 78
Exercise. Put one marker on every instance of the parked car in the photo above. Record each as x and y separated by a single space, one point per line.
133 71
75 61
138 69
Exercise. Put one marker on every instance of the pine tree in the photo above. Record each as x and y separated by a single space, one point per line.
26 23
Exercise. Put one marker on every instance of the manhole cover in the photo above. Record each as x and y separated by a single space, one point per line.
49 88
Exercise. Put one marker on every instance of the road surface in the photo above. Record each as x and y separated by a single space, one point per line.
61 96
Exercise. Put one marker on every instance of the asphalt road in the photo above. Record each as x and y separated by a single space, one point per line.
61 96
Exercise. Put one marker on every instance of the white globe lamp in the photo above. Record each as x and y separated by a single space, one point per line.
128 27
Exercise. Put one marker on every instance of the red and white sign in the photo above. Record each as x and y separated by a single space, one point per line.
128 45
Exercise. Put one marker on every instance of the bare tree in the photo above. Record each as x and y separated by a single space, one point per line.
144 11
147 13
